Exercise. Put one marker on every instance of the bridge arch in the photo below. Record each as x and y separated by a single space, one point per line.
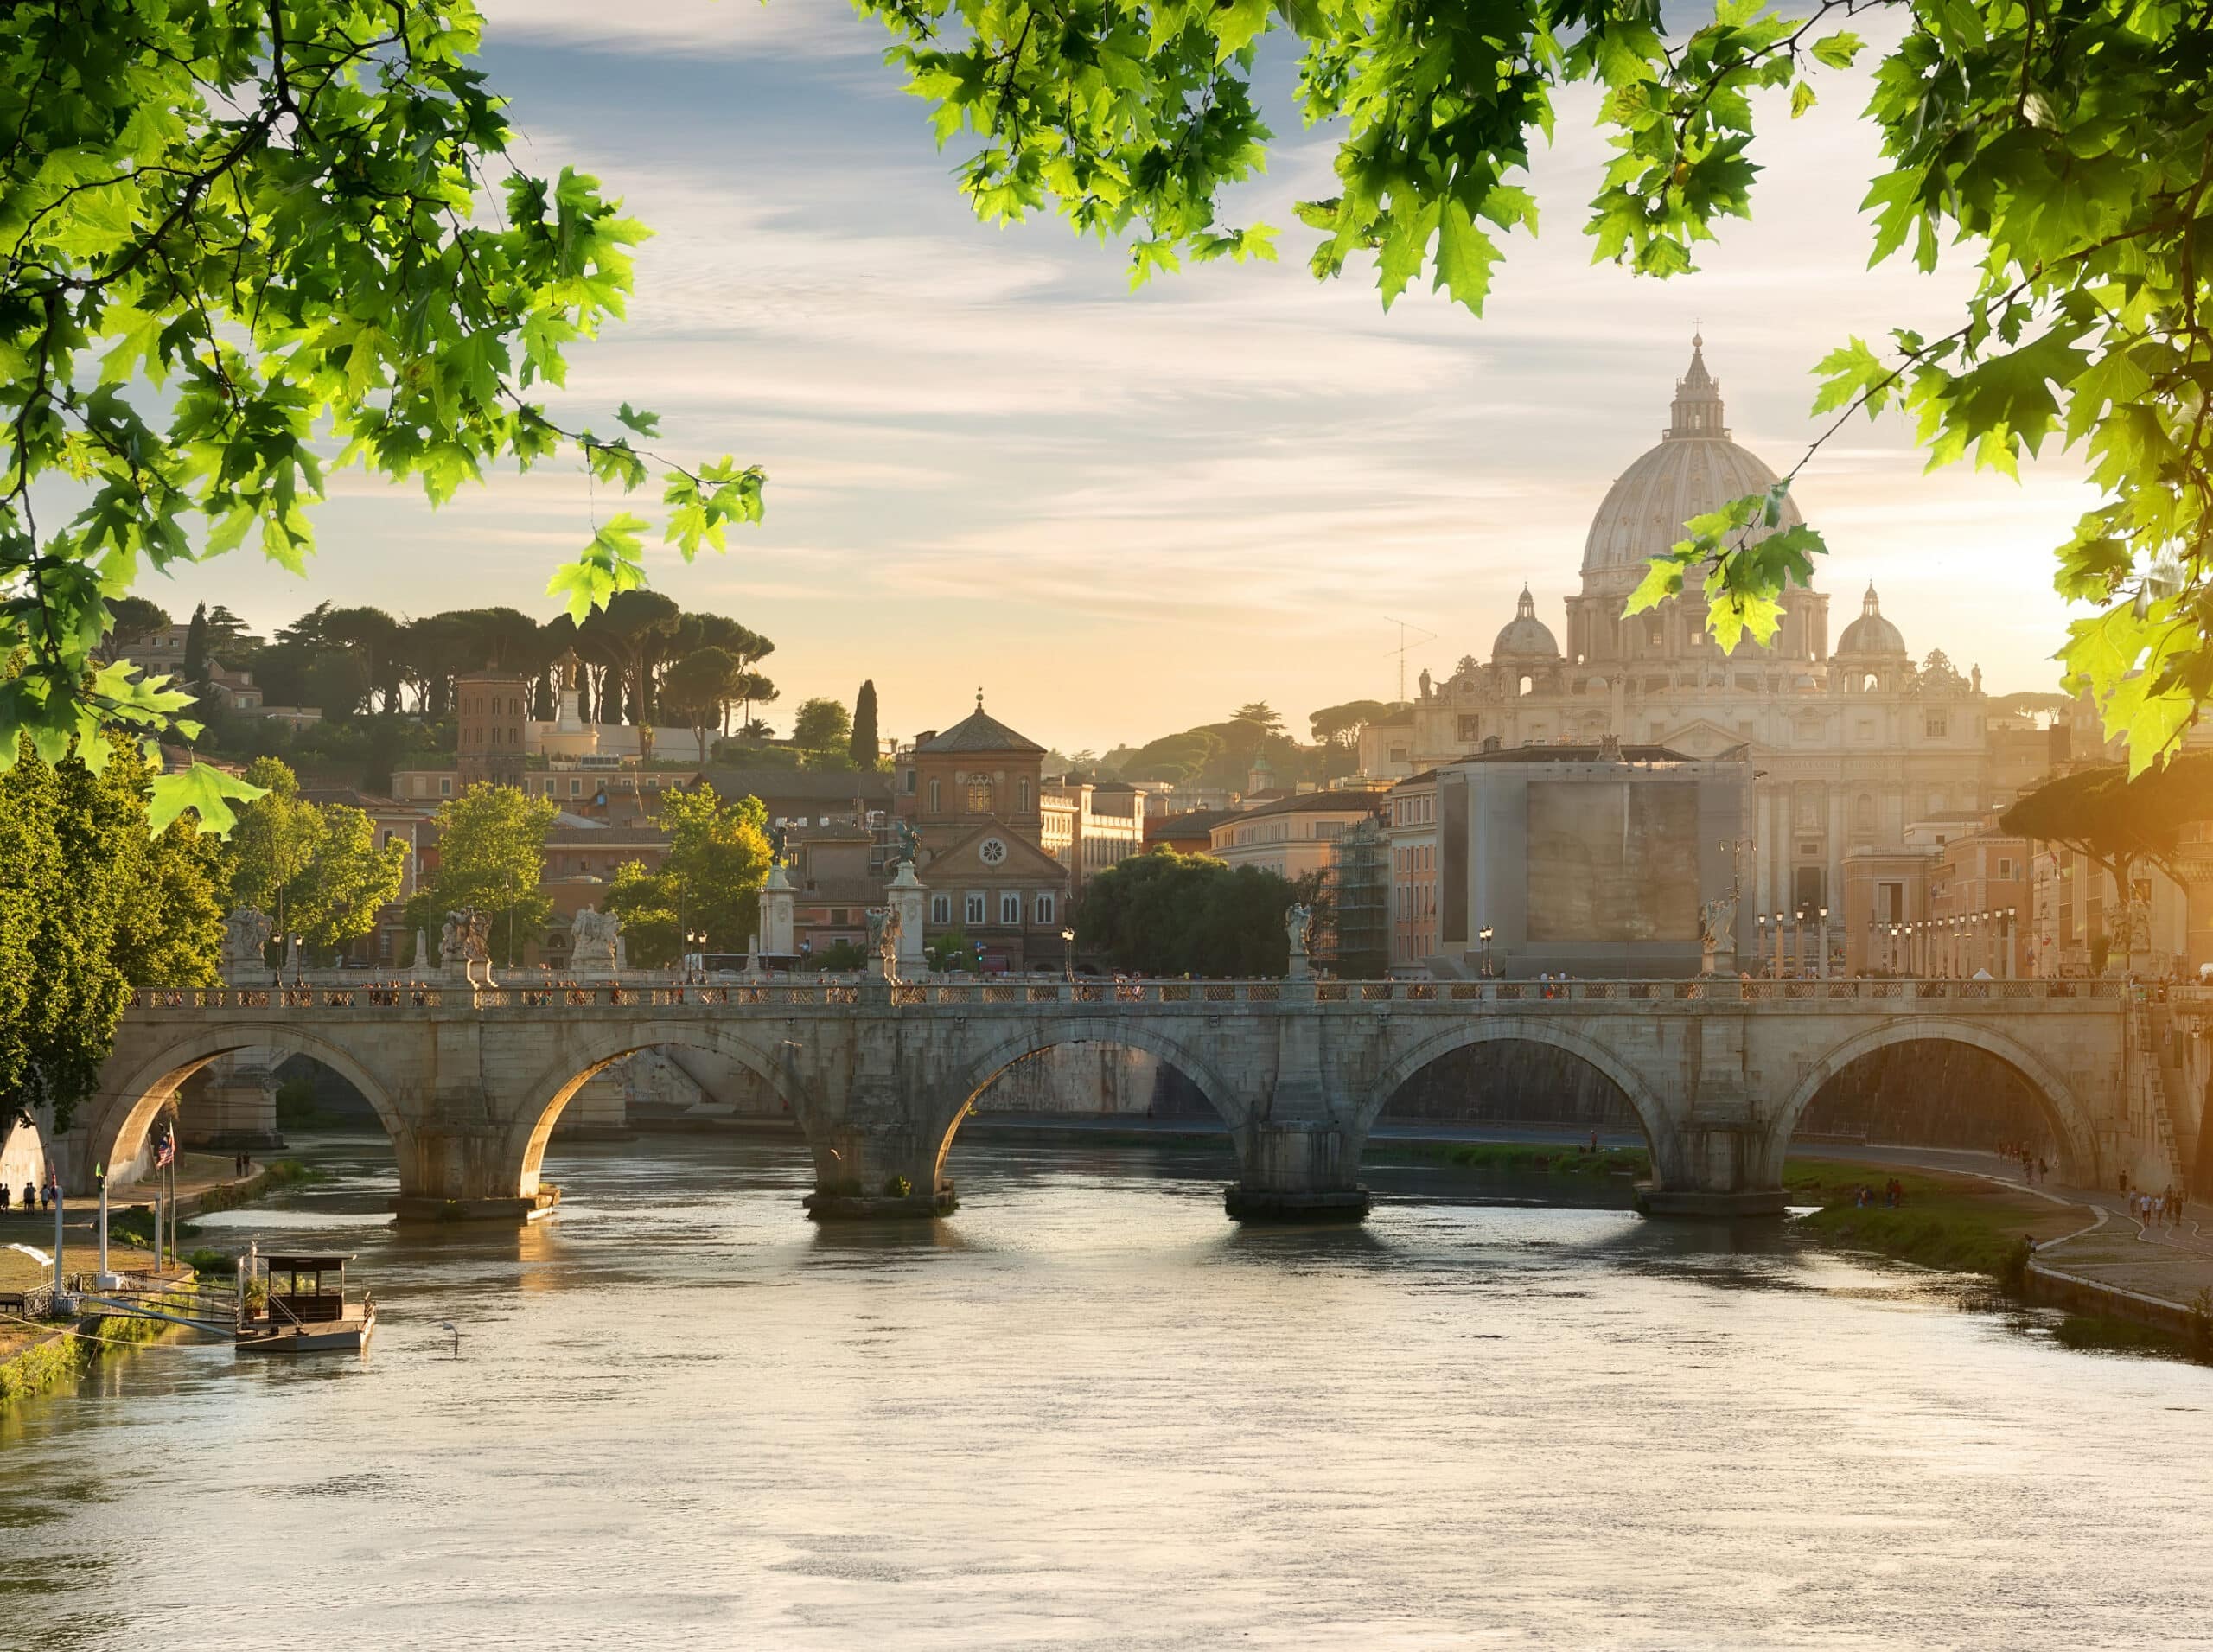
1234 1105
1651 1112
2063 1109
115 1121
590 1048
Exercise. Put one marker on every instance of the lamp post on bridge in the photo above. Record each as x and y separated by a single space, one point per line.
1068 939
1762 953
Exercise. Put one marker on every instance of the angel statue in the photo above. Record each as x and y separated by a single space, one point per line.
1297 918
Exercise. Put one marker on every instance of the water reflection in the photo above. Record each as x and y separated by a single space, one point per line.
1087 1410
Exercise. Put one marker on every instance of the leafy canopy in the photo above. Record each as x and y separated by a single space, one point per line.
93 903
2069 147
491 857
249 241
710 883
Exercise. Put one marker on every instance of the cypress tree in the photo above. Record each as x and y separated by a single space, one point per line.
195 661
864 745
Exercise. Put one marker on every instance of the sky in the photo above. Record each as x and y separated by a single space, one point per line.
992 465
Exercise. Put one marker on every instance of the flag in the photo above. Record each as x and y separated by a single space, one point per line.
165 1149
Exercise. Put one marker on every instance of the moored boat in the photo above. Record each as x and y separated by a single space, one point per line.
310 1314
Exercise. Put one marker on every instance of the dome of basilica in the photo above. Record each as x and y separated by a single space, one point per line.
1871 636
1696 468
1525 636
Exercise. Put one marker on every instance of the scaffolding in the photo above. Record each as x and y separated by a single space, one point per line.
1360 902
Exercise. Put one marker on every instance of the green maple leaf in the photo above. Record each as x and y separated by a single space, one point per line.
208 792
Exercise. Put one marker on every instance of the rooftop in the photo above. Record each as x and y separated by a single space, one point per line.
1581 753
978 731
809 785
1314 803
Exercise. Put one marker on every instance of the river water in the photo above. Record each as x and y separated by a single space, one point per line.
1088 1411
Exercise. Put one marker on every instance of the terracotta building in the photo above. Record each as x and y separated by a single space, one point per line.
974 796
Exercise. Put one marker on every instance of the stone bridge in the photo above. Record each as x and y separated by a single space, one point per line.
468 1082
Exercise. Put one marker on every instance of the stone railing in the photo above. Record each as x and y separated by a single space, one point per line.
1007 994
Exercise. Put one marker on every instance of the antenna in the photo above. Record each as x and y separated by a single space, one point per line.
1405 643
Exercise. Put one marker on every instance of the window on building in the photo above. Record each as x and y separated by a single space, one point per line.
1022 795
1472 729
980 797
910 782
445 785
1045 909
936 799
1009 907
1936 725
941 908
973 907
2005 867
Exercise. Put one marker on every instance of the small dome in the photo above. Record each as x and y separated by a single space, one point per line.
1871 636
1695 470
1525 637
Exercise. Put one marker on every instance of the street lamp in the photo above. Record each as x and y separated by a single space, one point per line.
1824 955
1067 939
1483 934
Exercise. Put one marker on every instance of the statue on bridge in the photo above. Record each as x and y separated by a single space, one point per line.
1717 925
595 939
246 939
1297 923
910 841
884 929
465 942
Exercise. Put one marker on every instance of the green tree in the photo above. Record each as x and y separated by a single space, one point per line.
822 725
1168 914
949 949
272 844
134 619
718 857
236 229
92 902
701 688
491 857
197 677
316 869
866 745
756 691
2066 148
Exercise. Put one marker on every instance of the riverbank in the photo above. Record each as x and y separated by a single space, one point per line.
37 1355
2028 1243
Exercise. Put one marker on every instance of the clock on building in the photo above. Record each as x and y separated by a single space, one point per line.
991 851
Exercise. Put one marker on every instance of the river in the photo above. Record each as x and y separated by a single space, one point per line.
1088 1411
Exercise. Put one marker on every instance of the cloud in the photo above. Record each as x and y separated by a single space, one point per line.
987 457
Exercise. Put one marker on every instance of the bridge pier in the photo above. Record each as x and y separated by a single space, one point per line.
863 1175
1298 1170
463 1173
1720 1178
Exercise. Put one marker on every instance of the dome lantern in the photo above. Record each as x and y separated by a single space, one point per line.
1871 636
1525 638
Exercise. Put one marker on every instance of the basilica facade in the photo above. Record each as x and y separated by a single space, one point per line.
1849 749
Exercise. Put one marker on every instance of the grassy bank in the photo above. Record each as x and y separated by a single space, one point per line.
1963 1224
62 1358
1520 1157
